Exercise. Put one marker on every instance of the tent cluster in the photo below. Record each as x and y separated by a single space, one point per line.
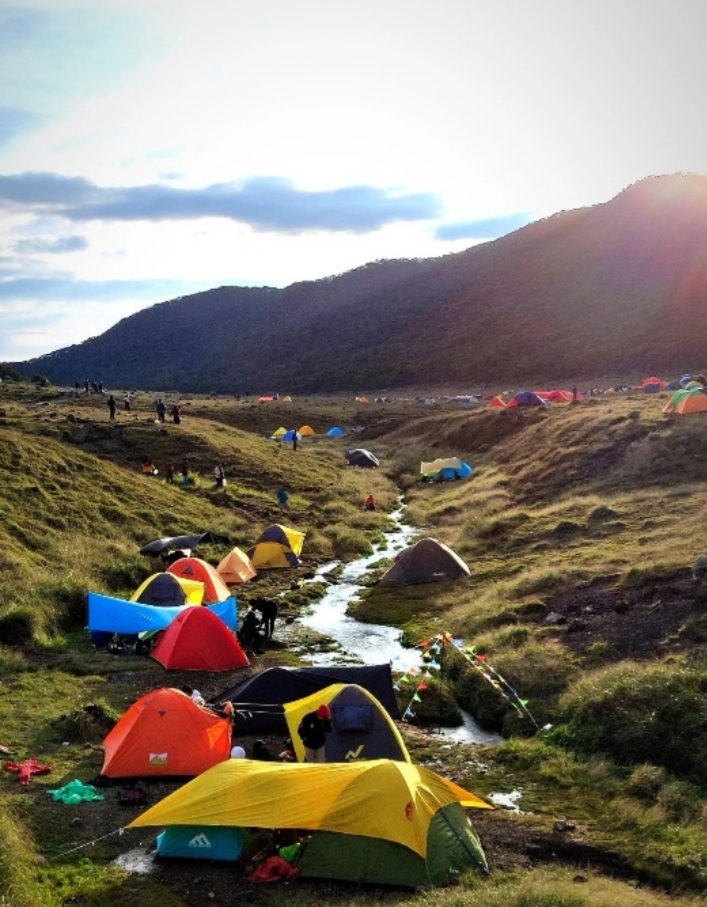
532 398
368 814
445 469
185 617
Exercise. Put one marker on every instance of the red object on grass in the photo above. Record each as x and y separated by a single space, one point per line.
27 768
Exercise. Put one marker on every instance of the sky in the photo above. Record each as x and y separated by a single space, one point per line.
151 149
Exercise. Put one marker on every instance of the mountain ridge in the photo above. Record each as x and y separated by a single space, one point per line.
616 288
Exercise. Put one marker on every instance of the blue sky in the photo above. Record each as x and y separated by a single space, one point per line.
153 149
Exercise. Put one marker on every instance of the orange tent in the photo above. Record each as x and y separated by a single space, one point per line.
215 590
236 567
163 734
198 640
687 401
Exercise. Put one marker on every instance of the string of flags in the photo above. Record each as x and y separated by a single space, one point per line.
432 658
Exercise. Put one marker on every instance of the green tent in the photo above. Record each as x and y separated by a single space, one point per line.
453 847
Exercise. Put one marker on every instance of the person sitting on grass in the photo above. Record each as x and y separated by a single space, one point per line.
148 467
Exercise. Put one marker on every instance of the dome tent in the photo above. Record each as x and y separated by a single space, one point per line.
236 567
359 456
165 734
427 561
194 568
197 640
379 821
167 590
278 546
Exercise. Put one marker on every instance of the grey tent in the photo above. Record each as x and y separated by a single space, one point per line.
427 561
359 456
183 542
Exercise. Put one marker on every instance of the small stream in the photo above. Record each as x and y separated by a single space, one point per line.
370 644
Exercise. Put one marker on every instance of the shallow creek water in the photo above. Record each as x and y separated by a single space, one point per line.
363 643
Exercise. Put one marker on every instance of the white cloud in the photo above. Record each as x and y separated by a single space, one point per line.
495 109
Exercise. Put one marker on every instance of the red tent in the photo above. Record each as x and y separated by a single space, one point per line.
197 640
165 733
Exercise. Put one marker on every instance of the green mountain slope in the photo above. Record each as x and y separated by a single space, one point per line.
613 289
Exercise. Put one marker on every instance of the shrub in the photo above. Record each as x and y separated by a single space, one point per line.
68 601
680 802
640 713
17 627
646 781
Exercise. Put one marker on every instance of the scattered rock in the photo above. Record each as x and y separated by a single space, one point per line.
554 618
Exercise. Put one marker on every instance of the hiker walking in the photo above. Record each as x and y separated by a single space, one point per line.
312 731
283 499
176 413
220 475
126 403
169 472
160 409
111 406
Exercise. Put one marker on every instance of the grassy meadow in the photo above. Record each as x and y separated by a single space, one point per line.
581 526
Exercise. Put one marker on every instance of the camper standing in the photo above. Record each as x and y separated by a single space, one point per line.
312 731
283 499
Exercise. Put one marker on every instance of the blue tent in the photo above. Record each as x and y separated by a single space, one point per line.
291 435
463 472
335 432
115 615
203 842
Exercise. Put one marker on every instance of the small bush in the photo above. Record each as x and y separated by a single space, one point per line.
646 782
17 627
680 802
641 713
601 513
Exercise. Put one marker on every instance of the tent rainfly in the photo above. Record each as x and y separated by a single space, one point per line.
380 821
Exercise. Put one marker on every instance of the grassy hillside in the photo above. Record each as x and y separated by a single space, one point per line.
613 289
581 525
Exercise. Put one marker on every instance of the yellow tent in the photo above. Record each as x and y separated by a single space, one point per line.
167 589
382 798
362 728
278 433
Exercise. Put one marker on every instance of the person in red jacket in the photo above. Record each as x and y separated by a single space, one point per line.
312 731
